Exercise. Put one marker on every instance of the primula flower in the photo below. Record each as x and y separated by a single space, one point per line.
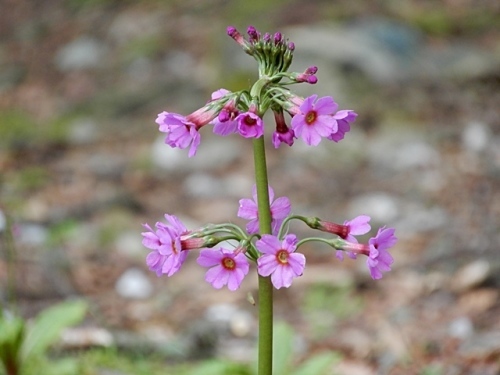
315 119
283 133
344 119
279 259
379 260
167 256
355 227
250 125
180 131
280 208
227 267
225 123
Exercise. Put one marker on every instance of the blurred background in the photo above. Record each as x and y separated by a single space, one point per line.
82 166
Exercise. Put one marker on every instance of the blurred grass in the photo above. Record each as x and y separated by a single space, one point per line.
19 129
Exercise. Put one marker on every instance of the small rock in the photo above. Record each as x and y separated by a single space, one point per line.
213 153
85 337
380 207
82 131
82 53
481 346
461 328
32 234
203 185
470 275
475 137
134 284
130 244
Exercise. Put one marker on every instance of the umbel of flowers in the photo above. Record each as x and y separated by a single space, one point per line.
275 254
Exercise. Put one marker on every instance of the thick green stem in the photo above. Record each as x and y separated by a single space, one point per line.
265 366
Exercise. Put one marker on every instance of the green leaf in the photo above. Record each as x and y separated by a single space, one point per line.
220 367
282 349
320 364
49 324
12 333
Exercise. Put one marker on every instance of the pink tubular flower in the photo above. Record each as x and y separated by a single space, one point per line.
280 208
379 260
167 256
344 119
250 125
225 123
279 259
355 227
180 131
283 133
315 119
227 267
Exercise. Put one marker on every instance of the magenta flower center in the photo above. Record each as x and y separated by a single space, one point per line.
282 256
228 264
250 121
311 117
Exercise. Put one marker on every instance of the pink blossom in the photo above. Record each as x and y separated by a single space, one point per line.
180 131
344 119
379 260
280 208
220 93
315 119
167 256
283 133
355 227
227 267
225 123
250 125
279 259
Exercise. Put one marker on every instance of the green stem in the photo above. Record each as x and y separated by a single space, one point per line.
265 365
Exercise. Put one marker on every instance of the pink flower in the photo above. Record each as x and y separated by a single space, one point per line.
283 134
355 227
167 256
220 93
225 123
344 119
315 119
180 131
250 125
227 267
280 260
280 208
379 260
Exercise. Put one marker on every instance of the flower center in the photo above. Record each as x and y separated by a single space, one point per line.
174 247
311 117
282 256
250 121
228 264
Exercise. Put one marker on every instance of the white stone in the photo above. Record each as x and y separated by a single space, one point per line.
475 137
82 53
134 284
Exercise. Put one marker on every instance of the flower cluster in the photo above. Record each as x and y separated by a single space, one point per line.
241 112
274 254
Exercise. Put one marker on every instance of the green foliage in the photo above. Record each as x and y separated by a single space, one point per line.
23 346
12 332
325 304
431 370
19 129
283 361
